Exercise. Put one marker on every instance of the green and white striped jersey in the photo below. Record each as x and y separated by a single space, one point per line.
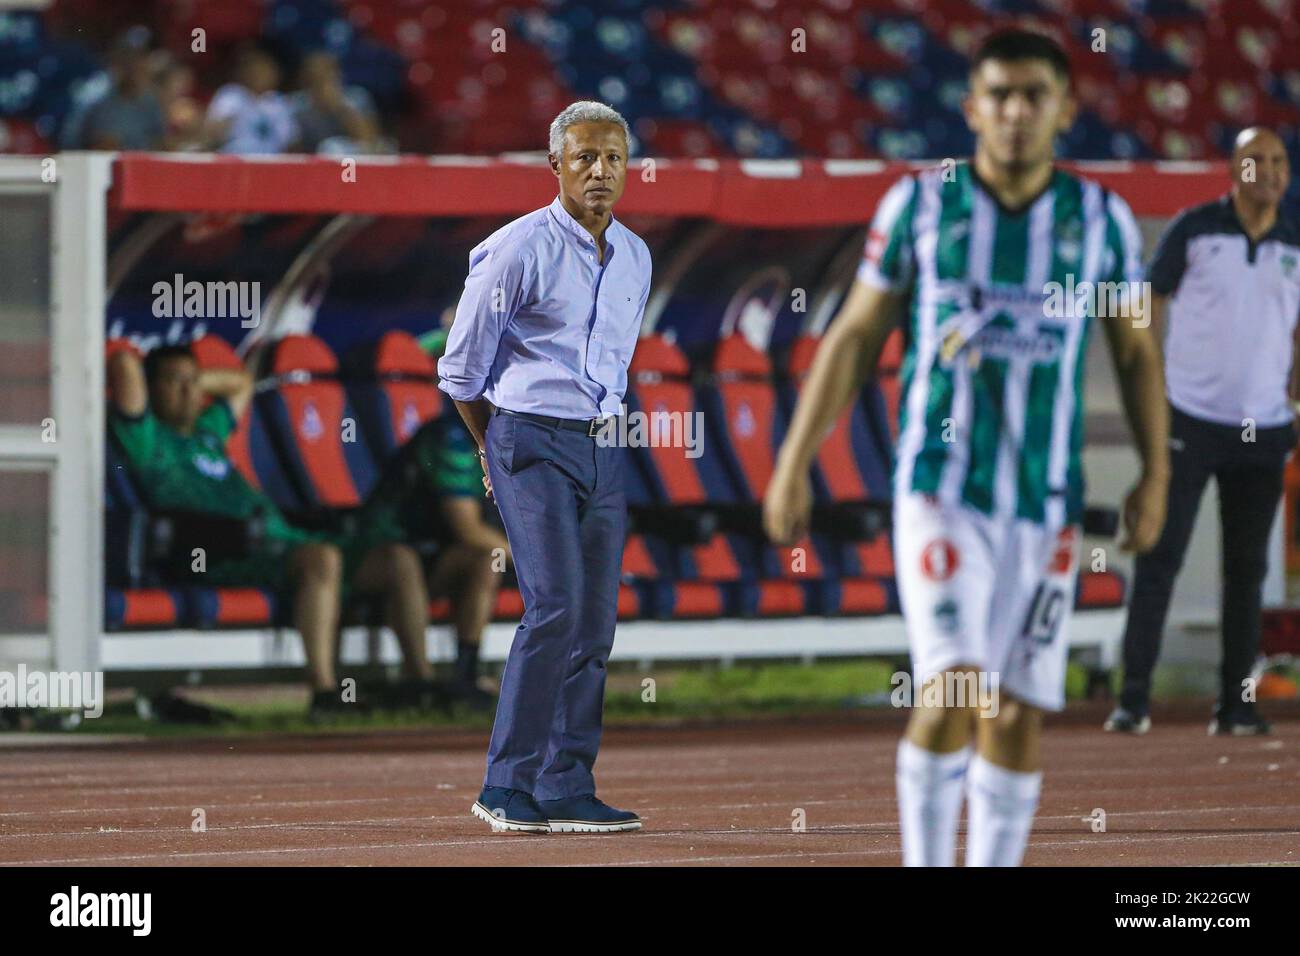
997 327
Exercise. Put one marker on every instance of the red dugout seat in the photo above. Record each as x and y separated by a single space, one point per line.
313 426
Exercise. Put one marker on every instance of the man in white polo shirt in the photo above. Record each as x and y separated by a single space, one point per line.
1227 276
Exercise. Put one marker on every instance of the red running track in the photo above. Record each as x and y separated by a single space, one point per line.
724 795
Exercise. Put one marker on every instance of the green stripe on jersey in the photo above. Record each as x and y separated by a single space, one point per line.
985 434
1014 363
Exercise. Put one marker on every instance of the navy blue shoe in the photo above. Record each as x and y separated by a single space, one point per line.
504 809
586 814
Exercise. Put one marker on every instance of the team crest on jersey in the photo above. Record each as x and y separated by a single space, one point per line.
1069 241
945 615
939 560
1288 265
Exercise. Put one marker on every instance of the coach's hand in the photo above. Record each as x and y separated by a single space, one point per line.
487 482
1144 514
787 507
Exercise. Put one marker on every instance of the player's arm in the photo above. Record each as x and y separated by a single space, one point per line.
844 362
1140 371
234 385
127 384
1158 309
1135 347
494 290
465 519
132 426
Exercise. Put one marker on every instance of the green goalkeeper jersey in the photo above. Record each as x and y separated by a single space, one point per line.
1000 307
193 472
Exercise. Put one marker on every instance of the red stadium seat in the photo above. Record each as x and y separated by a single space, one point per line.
211 351
313 427
394 389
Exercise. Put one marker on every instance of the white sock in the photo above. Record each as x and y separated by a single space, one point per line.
929 802
1000 813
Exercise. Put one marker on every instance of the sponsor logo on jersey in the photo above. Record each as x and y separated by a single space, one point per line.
214 468
1041 345
939 560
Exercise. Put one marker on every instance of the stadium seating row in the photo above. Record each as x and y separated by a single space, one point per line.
316 436
723 78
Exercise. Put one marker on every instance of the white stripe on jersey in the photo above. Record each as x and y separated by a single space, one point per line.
1038 266
979 272
925 232
1058 459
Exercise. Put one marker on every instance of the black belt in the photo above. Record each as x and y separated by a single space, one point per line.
588 425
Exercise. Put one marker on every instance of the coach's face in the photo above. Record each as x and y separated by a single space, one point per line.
593 168
1261 170
1015 108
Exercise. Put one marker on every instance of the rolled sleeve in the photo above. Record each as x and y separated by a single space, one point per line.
494 290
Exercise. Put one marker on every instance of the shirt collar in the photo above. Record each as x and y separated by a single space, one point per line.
562 216
1229 213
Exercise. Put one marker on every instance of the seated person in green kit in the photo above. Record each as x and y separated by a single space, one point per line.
432 489
176 450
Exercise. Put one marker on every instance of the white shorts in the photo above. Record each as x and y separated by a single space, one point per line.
984 592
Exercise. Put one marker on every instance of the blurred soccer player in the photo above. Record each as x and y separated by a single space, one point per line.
987 484
1227 274
537 363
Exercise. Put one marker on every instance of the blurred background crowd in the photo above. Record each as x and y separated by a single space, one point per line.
1157 79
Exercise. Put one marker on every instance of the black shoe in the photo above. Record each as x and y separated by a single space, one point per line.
329 704
169 708
415 693
471 697
1246 724
1127 722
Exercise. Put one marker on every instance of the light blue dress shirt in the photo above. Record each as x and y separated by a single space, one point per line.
544 327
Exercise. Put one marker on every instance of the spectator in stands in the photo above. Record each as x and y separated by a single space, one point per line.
332 118
129 116
250 115
176 449
173 83
1226 284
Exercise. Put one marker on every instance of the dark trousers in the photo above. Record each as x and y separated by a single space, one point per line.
560 495
1249 475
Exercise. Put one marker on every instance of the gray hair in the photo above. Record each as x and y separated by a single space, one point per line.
584 111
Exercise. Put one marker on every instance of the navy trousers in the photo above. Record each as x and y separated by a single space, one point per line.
561 500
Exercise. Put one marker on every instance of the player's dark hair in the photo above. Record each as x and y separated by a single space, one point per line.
154 359
1017 45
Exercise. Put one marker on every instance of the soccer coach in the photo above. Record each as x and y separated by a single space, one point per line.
1227 275
537 363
